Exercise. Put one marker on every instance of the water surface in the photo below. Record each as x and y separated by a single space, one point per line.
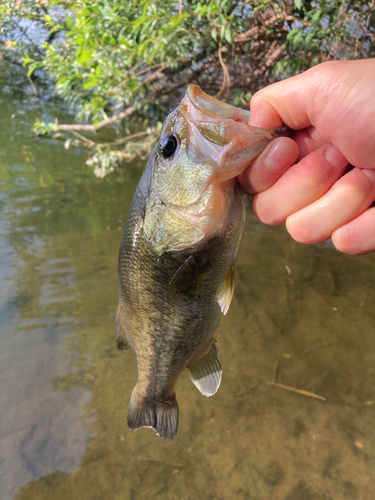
302 316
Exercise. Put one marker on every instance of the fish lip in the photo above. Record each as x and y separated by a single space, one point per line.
199 99
213 108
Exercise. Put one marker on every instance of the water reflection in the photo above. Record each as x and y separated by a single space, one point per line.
40 432
43 428
301 316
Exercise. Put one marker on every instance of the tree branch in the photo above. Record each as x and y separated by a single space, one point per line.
94 128
4 57
122 140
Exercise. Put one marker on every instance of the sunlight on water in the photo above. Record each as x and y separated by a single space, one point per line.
301 316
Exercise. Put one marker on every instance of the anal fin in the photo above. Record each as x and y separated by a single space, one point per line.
122 341
227 290
206 372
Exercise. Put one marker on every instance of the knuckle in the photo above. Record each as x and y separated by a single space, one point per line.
356 180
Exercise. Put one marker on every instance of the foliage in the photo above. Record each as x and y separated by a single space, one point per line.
105 161
111 59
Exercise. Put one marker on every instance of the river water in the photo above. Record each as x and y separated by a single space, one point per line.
302 316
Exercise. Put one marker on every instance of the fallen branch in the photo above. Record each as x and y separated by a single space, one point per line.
22 119
298 391
120 141
94 128
90 144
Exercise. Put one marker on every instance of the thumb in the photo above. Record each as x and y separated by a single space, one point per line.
335 97
287 102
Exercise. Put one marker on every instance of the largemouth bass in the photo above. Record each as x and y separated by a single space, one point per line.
176 262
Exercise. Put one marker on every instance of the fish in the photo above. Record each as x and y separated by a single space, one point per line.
178 251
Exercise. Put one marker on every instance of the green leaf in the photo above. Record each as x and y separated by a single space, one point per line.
315 18
105 43
309 37
228 34
297 39
69 22
32 68
291 35
84 56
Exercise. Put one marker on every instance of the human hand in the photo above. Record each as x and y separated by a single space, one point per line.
304 182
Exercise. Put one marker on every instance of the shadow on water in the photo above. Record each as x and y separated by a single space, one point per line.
301 316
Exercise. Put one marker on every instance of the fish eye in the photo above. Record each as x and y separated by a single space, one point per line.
168 145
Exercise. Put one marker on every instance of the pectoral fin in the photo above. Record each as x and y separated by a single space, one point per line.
227 290
188 277
206 372
122 341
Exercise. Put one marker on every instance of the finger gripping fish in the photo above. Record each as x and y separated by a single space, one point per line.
176 262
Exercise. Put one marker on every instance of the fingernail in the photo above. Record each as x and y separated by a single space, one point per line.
282 153
335 158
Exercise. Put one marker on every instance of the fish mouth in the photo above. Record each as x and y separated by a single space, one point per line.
212 109
219 133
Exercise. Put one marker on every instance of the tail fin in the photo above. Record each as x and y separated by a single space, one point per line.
162 417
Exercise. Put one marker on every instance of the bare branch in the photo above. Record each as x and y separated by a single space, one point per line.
123 140
24 33
35 92
83 138
298 391
94 128
22 119
226 77
4 57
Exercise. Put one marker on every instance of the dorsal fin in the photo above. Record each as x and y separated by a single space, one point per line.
205 373
227 290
